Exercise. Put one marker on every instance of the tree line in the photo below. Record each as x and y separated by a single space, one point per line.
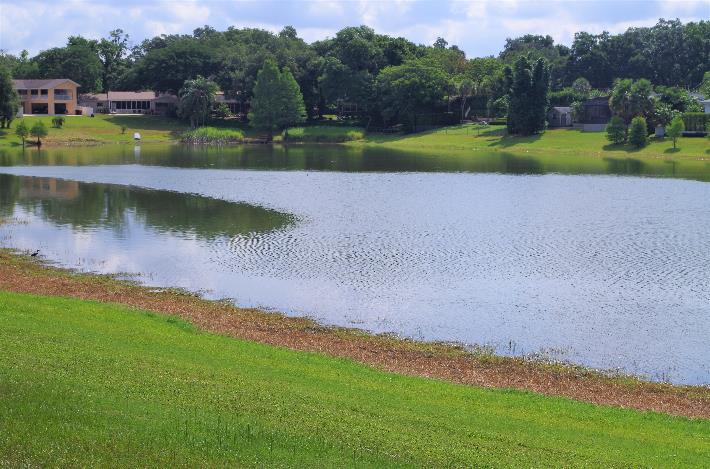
389 79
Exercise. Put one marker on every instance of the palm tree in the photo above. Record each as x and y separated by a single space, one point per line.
196 100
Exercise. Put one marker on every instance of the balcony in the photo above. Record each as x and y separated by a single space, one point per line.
63 96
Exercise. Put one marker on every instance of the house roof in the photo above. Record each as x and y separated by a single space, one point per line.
599 100
562 108
129 96
44 83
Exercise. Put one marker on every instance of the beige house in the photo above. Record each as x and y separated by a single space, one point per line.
129 102
52 96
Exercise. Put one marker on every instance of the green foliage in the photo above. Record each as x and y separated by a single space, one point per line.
112 52
213 136
78 61
616 130
22 131
94 384
414 87
9 99
39 131
704 87
675 129
631 98
277 101
323 134
678 99
222 111
58 122
638 132
528 96
197 98
582 87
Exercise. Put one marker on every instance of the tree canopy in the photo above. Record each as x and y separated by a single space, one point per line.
277 101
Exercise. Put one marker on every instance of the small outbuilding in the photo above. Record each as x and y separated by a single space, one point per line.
560 116
595 114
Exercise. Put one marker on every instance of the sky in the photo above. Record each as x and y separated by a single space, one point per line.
479 27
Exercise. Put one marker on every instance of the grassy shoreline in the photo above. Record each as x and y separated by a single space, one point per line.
455 141
448 362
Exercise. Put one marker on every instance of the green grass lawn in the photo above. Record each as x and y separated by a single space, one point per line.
469 139
102 128
90 384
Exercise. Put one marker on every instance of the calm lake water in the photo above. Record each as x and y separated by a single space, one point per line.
565 258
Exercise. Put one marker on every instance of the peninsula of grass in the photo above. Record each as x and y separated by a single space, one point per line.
91 384
323 134
212 136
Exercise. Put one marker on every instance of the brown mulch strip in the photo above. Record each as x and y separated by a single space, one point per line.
442 361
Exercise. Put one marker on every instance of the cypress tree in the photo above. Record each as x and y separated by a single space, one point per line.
528 96
277 101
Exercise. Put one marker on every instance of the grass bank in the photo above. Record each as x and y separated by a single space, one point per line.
469 140
444 361
91 384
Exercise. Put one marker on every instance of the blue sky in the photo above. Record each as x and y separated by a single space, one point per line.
479 27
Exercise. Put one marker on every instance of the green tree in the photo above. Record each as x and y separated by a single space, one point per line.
465 88
39 131
414 87
616 130
528 96
638 132
112 52
675 129
22 131
277 101
9 99
78 61
582 87
196 100
631 98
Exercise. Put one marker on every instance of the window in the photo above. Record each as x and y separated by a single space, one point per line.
34 92
44 92
22 92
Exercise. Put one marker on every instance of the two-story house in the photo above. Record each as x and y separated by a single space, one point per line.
52 96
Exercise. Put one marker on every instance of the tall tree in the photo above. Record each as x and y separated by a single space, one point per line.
528 96
78 61
112 52
9 99
196 100
277 100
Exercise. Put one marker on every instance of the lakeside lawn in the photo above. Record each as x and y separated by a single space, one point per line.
459 140
93 384
467 140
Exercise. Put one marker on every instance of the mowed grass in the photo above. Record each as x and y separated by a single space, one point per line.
323 134
90 384
466 140
102 128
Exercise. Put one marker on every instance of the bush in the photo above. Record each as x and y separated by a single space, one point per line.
675 129
222 111
696 121
638 132
616 130
323 134
57 122
212 136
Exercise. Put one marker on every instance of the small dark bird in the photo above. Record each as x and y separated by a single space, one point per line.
34 254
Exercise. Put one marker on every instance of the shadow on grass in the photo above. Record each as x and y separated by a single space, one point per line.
509 141
671 150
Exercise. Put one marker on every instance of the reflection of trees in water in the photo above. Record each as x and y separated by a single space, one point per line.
87 205
626 166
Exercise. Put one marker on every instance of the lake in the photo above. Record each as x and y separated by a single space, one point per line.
573 259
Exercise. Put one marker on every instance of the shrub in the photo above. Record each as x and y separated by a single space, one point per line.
222 111
675 129
638 132
22 131
212 136
323 134
616 130
57 122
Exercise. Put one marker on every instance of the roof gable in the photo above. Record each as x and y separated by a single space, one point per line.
27 84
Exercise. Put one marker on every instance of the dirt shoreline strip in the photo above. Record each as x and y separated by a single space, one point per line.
448 362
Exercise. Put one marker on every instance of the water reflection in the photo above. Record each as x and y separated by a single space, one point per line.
87 206
350 159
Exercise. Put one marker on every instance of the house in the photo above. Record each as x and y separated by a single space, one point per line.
595 114
560 116
705 103
129 102
49 96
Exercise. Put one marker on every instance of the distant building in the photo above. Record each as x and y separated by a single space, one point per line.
129 102
560 116
705 103
49 96
595 114
144 102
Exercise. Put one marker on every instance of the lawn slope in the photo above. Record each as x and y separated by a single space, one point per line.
92 384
